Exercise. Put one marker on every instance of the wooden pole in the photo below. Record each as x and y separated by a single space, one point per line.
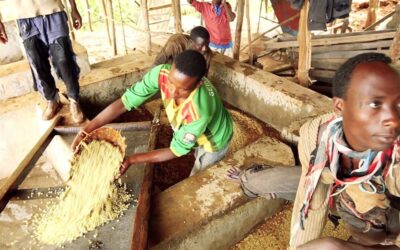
89 15
395 48
123 26
71 27
146 28
304 39
112 24
103 7
371 16
176 8
259 15
141 224
249 30
238 32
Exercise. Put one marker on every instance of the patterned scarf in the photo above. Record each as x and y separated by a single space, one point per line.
327 154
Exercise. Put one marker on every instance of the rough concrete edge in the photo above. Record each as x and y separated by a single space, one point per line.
258 209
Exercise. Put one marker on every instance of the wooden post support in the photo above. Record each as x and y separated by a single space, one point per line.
238 32
104 9
304 39
249 31
146 28
89 15
395 48
176 8
71 27
123 26
371 16
141 224
112 24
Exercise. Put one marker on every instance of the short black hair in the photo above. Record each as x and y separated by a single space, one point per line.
341 81
199 31
191 63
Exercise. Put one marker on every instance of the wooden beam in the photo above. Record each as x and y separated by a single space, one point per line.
146 26
23 169
162 6
89 15
104 9
111 21
177 15
238 32
304 40
71 27
271 29
349 38
372 26
249 31
123 26
371 15
395 48
141 224
352 46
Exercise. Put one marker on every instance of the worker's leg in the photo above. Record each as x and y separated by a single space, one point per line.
269 182
206 159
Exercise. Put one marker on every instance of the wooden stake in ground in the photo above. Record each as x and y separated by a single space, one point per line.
89 15
123 26
112 24
176 8
71 27
104 9
395 48
146 28
249 31
238 33
371 16
304 39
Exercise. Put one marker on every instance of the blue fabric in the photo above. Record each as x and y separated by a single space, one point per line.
48 28
217 9
221 46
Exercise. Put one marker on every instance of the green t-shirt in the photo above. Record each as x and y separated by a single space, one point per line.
201 120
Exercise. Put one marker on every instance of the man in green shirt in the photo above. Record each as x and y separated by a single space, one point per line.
194 110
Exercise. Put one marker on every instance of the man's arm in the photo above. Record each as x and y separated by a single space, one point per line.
3 34
75 16
159 155
114 110
231 16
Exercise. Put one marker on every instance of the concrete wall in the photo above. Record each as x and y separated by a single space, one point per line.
276 101
11 51
16 77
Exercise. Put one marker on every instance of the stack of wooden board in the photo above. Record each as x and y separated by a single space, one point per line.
330 51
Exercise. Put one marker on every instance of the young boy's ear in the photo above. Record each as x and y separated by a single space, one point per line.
338 104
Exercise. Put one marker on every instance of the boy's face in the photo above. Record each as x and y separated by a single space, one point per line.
371 110
180 85
200 44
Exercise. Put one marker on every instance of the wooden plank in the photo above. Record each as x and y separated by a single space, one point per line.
395 48
352 46
345 54
238 32
249 31
146 26
104 9
160 7
334 40
26 164
304 41
177 15
111 21
140 227
327 64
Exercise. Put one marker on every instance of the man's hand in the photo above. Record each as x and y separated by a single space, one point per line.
3 34
76 19
126 163
78 138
